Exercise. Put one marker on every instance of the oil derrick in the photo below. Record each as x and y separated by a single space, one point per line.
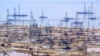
66 19
42 17
33 25
30 29
8 20
91 17
7 23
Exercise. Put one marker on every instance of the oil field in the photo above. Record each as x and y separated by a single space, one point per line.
33 37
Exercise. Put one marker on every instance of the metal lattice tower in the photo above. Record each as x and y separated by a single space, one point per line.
66 19
42 17
91 17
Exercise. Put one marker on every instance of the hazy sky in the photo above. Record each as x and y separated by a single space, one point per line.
54 9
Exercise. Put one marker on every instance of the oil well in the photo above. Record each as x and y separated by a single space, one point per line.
20 37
